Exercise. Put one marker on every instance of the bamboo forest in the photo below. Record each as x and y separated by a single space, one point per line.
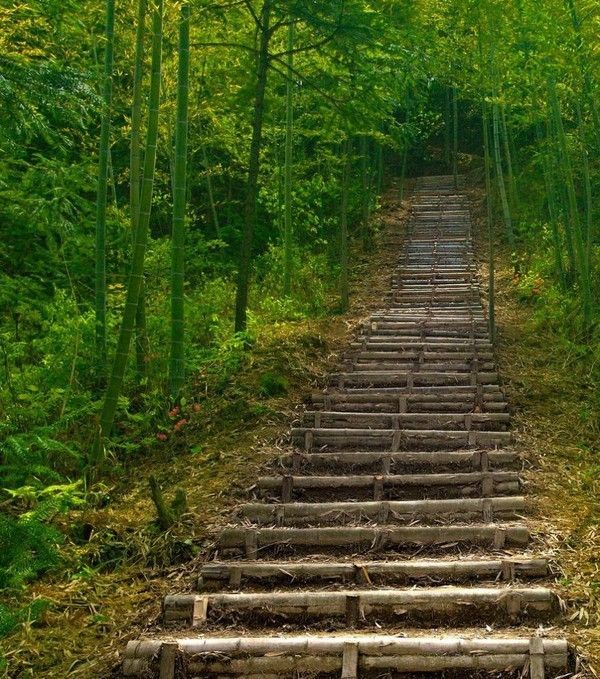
299 342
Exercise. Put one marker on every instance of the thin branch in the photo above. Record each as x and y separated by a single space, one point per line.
319 43
335 103
249 7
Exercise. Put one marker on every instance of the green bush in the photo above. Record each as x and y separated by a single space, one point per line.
273 384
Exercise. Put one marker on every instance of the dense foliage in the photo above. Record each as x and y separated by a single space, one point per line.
352 89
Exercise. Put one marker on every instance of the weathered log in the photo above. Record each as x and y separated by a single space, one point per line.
410 378
383 512
374 538
367 605
214 574
485 392
359 481
286 656
416 366
403 420
386 462
396 439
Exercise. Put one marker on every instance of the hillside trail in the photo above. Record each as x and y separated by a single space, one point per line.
391 536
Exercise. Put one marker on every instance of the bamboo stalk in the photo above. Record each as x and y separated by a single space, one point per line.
553 215
567 174
101 197
177 358
490 225
500 176
455 136
251 199
289 132
343 219
115 384
135 164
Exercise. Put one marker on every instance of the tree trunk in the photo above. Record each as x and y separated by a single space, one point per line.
447 128
177 362
455 136
135 165
559 197
211 195
366 191
289 130
575 222
512 185
379 180
587 184
346 170
500 176
115 384
553 215
488 191
101 199
251 200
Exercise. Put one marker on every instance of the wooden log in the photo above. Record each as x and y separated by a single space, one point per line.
411 378
187 609
431 421
399 480
320 513
416 367
440 393
215 574
394 354
286 656
324 538
434 460
364 606
168 658
537 668
397 439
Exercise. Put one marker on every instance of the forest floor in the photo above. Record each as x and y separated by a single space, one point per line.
96 608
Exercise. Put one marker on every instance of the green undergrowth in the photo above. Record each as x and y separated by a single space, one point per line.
71 544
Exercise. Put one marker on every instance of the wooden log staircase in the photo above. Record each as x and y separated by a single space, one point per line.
390 539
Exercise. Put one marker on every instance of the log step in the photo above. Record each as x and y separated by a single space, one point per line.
365 607
410 378
364 655
376 539
396 439
215 575
415 366
409 342
386 463
392 354
403 420
433 405
426 332
431 394
484 484
383 512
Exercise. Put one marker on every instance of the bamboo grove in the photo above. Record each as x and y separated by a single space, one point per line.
180 177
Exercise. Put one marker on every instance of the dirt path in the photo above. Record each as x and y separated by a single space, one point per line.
389 537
